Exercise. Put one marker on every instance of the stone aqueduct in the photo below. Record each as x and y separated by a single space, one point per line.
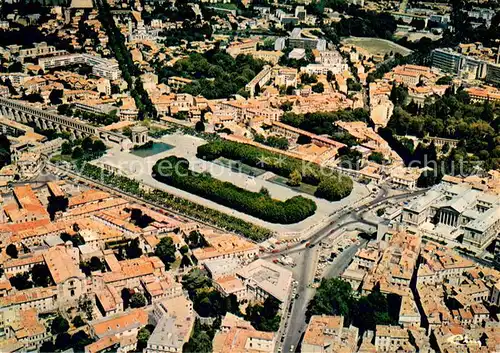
26 114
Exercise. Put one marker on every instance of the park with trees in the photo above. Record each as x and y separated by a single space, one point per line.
336 297
164 199
475 125
215 74
128 68
339 186
175 171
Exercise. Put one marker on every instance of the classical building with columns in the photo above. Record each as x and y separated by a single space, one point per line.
451 211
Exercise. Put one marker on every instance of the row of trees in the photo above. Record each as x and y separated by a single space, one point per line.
331 185
175 171
127 65
197 211
99 119
83 148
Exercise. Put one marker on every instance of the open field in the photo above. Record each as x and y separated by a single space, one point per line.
377 46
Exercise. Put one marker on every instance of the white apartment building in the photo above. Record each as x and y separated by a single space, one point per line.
39 49
263 279
390 338
101 67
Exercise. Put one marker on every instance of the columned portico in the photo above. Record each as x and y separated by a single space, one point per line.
448 218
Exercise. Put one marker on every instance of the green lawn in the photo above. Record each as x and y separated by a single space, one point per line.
239 167
61 158
225 6
377 46
305 188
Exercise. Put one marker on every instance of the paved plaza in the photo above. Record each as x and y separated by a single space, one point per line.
185 146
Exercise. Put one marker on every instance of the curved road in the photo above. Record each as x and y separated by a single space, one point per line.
296 322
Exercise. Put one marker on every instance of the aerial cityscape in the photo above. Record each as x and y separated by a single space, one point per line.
250 176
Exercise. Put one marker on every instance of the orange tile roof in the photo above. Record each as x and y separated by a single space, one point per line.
120 323
61 266
315 332
87 196
55 189
28 295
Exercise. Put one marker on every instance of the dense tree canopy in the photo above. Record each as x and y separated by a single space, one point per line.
279 164
200 341
273 141
175 171
165 250
137 300
187 207
477 126
12 251
264 317
207 301
335 297
59 325
323 122
4 151
216 74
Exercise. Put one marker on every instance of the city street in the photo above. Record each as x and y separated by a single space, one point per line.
306 266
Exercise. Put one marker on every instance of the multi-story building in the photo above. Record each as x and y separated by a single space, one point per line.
295 40
161 288
226 246
259 81
245 46
449 211
440 264
391 338
101 67
263 279
174 320
125 324
41 299
176 82
238 335
467 65
327 334
267 55
24 326
63 264
39 49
